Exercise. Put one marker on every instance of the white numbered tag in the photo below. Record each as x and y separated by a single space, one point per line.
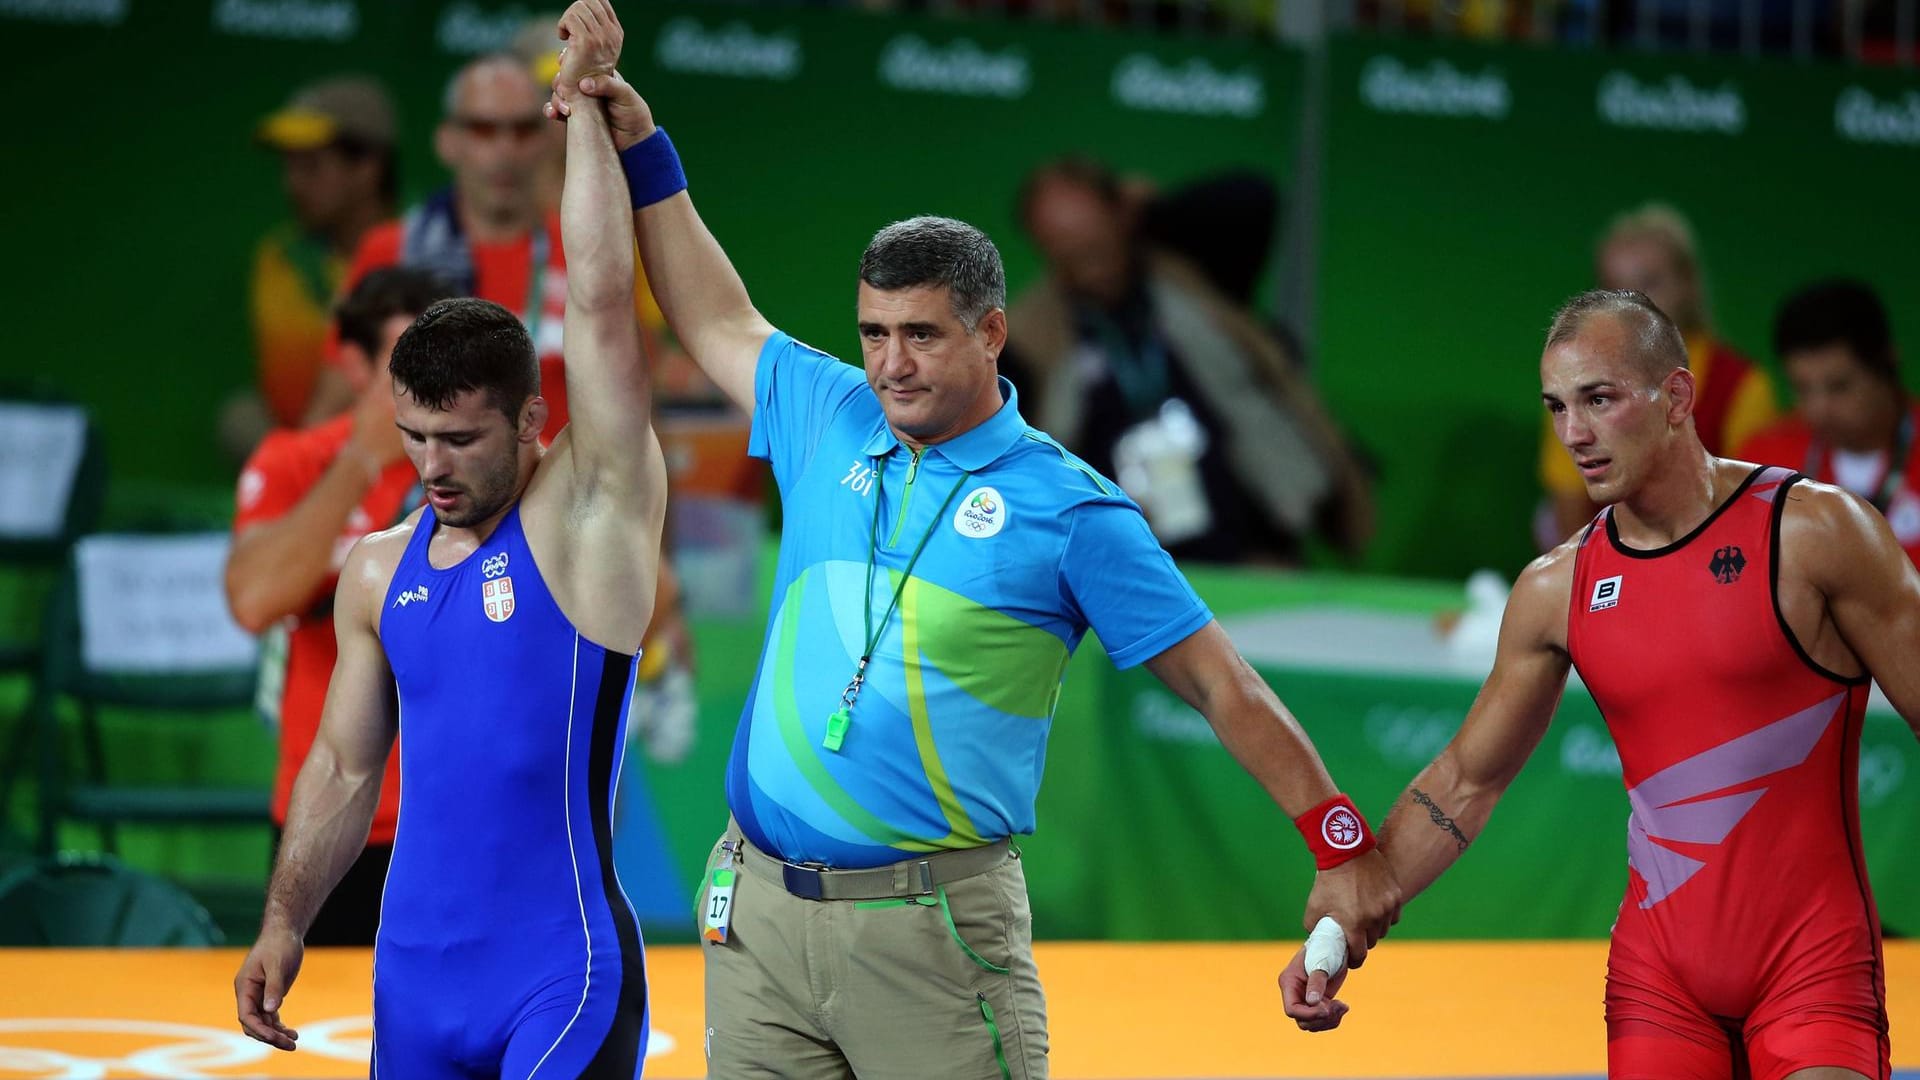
718 915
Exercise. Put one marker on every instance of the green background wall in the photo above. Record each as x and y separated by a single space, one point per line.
133 195
1448 240
1447 235
143 193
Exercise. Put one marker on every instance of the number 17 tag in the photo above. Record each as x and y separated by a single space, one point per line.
719 906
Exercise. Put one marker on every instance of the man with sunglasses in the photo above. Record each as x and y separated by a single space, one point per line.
487 233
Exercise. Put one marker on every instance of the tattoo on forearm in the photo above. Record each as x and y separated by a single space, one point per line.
1440 817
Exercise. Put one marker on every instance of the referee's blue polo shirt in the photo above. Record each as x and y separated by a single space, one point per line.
1026 547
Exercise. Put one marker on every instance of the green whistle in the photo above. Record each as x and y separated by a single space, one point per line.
837 729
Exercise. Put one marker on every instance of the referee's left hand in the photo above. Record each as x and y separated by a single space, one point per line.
1363 896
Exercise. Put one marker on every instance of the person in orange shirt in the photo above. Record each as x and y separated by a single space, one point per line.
487 234
335 139
1852 425
1651 250
305 498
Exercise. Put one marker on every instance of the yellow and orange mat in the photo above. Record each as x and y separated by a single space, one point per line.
1425 1010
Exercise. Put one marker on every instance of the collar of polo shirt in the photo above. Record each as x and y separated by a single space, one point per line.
971 450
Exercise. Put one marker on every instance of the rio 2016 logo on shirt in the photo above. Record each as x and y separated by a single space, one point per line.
497 598
982 513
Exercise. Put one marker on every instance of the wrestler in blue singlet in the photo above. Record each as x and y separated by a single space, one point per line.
506 947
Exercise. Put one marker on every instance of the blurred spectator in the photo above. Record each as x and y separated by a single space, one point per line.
488 234
1852 424
537 46
1651 250
335 139
1224 223
305 498
1135 358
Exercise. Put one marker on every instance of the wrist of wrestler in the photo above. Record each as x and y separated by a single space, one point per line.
1335 831
652 168
276 919
566 85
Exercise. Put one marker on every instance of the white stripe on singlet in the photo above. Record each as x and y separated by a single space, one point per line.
567 792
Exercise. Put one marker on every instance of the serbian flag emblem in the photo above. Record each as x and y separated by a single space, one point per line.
498 598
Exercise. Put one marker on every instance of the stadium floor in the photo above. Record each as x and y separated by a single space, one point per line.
1421 1011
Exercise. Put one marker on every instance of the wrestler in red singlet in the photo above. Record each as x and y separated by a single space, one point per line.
1748 924
1747 944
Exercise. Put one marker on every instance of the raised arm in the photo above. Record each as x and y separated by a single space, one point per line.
1211 675
597 506
691 277
609 393
333 798
1872 590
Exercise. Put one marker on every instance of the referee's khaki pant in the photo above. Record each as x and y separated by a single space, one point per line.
938 986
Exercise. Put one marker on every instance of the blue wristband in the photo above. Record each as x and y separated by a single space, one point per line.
653 169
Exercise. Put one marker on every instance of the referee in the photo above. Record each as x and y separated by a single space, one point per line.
865 911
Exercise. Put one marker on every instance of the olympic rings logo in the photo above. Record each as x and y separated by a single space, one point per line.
187 1050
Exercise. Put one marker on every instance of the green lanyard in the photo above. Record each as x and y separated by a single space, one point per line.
842 717
537 252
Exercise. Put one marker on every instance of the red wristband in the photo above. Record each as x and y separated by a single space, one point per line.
1335 832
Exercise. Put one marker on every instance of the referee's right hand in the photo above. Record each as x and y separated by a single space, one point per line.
261 986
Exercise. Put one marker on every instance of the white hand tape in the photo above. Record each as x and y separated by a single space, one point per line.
1327 947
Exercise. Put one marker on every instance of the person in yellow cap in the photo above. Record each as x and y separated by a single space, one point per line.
336 140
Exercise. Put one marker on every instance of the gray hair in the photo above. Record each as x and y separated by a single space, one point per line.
1659 222
938 251
1659 348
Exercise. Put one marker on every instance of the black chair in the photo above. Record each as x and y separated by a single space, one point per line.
52 483
95 901
139 624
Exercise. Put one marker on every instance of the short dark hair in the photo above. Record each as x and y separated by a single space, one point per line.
939 251
1660 346
382 294
466 344
1837 311
1078 169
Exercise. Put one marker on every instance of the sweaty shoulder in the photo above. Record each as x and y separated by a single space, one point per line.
371 564
1826 531
1537 606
